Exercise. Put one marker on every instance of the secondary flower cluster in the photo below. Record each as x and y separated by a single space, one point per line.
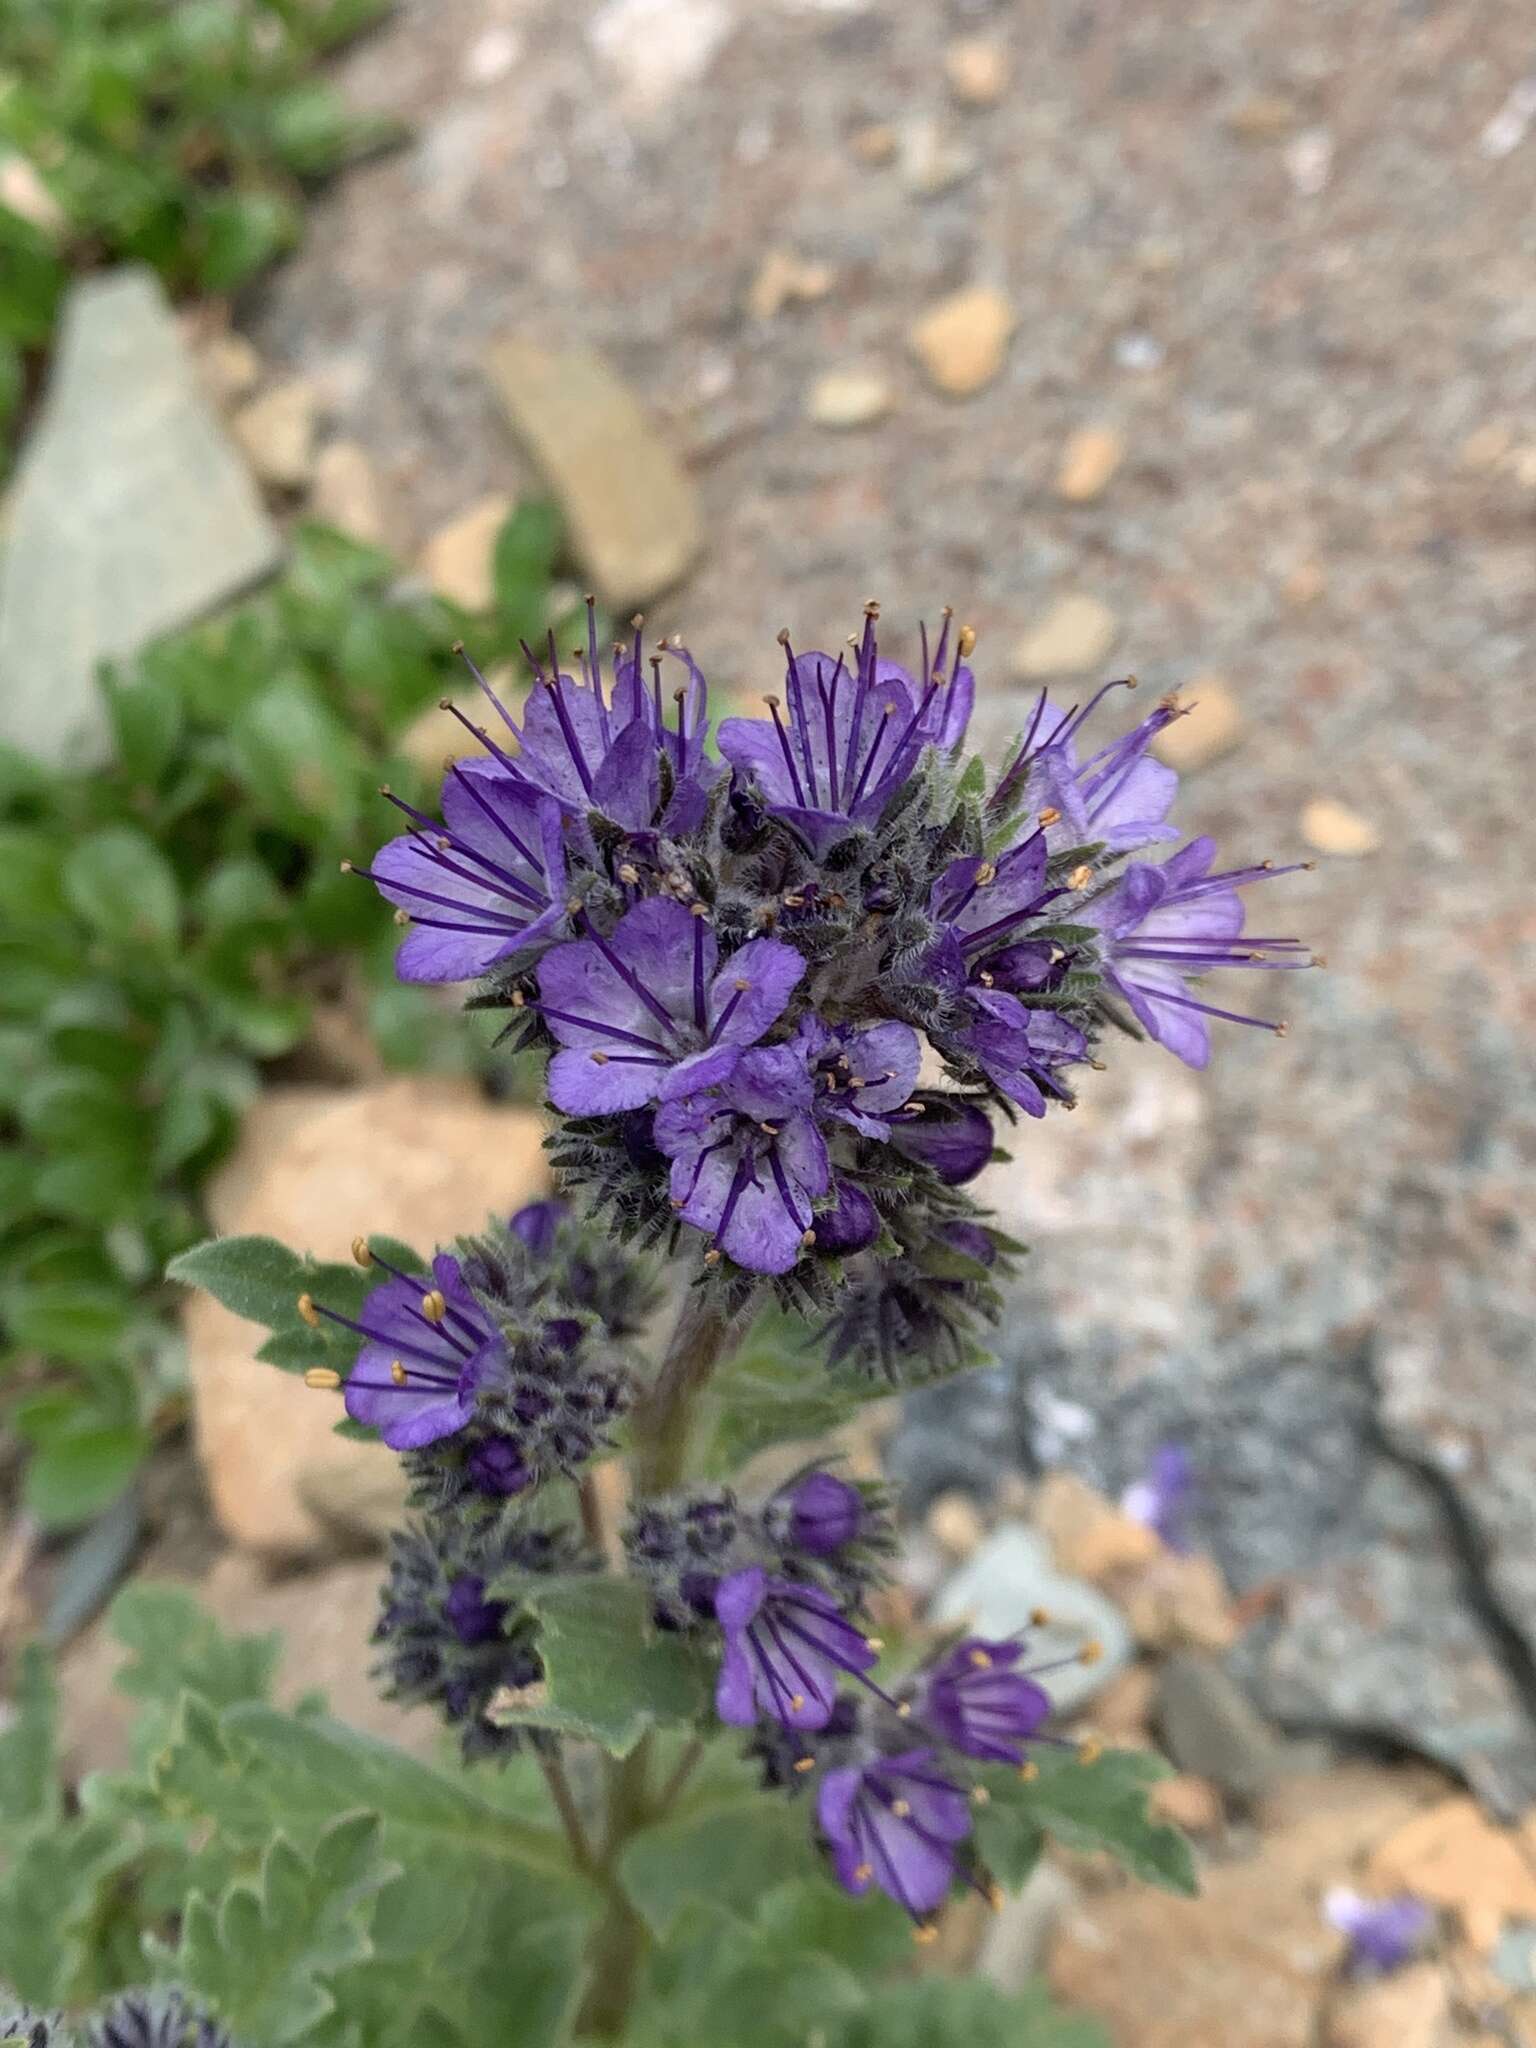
733 963
134 2019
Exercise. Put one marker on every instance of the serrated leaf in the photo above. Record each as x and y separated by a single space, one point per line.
1099 1805
609 1675
176 1647
29 1788
120 882
963 2012
263 1956
48 1895
254 1277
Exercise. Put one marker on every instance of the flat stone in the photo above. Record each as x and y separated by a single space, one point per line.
1089 1536
658 49
1211 1730
875 143
633 512
417 1159
277 432
851 397
347 493
976 69
1332 827
1088 462
1263 117
131 515
1410 2009
1008 1581
955 1524
785 279
1177 1602
230 367
1211 726
1072 639
932 160
459 561
962 341
1456 1857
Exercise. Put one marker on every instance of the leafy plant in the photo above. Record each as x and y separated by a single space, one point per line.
167 927
178 133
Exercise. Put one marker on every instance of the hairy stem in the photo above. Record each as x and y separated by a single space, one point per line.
618 1945
661 1421
565 1805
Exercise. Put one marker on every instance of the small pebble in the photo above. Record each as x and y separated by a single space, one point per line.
852 397
346 492
931 161
962 340
229 367
459 560
1191 1803
1263 117
1073 638
876 143
977 70
955 1524
277 432
1088 462
783 279
1332 827
1211 726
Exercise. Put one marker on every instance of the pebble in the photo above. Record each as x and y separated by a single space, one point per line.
1411 2009
658 49
1454 1856
1305 584
1309 162
962 340
1179 1602
1190 1803
459 560
977 70
931 160
1009 1580
1212 725
277 432
784 279
851 397
346 492
1088 462
1263 117
1212 1730
1487 446
1074 637
492 56
1088 1535
1123 1711
433 737
1332 827
631 510
23 192
229 367
955 1524
876 143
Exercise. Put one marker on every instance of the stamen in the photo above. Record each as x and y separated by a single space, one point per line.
308 1311
434 1306
397 1372
360 1251
322 1379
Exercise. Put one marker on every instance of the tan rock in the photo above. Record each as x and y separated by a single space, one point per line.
434 737
277 432
875 143
1088 462
856 396
785 279
346 492
1123 1711
1178 1603
23 192
1486 446
1075 635
1305 584
459 560
1193 1804
1334 828
1454 1856
229 367
955 1524
633 513
1211 726
932 161
1411 2009
1089 1535
411 1158
1263 117
977 70
961 342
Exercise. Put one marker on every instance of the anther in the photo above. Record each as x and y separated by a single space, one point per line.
875 1642
904 1710
804 1764
638 621
1028 1773
712 1257
698 910
863 1872
360 1251
1050 815
981 1660
457 647
986 874
1282 1029
345 866
629 873
902 1808
925 1934
796 1702
1090 1751
995 1897
769 1130
434 1306
1039 1617
402 917
599 1059
309 1312
741 986
782 636
322 1379
573 907
872 608
1081 876
980 1795
518 1000
397 1372
807 1239
967 642
1090 1653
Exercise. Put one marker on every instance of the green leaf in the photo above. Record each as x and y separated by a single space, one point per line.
81 1469
48 1895
29 1787
1099 1805
242 232
723 1854
608 1674
260 1279
262 1957
523 564
80 1323
962 2012
177 1647
123 886
146 720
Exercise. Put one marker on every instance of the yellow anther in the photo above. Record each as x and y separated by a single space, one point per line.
995 1897
1090 1751
804 1764
434 1306
902 1808
360 1251
1090 1653
402 917
712 1257
807 1239
323 1378
796 1702
397 1372
980 1795
967 642
863 1872
986 874
345 866
1080 877
309 1312
782 636
629 873
519 1000
1050 815
1028 1773
741 987
1039 1617
904 1709
981 1660
924 1935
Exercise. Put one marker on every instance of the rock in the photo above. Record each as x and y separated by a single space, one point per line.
433 736
955 1524
931 160
229 366
277 432
1309 161
23 192
785 279
1007 1582
658 49
1211 726
1089 1537
633 513
1190 1803
1486 447
961 341
1072 639
131 515
1015 1942
1177 1603
1305 584
492 56
1211 1730
346 492
977 70
1088 462
1411 2009
1454 1856
1263 117
459 561
852 397
1244 1963
1123 1711
416 1159
1333 828
875 143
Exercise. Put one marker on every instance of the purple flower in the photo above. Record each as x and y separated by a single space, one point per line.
1164 924
427 1348
1119 797
786 1648
592 752
472 1617
971 1240
649 1012
975 1699
1020 1049
486 884
497 1466
944 1132
860 1076
825 1513
845 740
1383 1933
748 1161
537 1224
1161 1499
851 1224
895 1822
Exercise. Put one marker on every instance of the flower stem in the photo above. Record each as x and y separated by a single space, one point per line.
661 1421
565 1805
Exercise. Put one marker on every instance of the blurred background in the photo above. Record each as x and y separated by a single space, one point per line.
1193 341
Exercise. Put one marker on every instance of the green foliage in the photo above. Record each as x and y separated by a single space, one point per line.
168 925
179 136
1098 1805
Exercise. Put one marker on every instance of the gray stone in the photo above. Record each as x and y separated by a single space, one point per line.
131 515
1210 1727
1010 1578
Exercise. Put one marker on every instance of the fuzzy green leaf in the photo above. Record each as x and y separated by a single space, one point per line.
723 1854
29 1790
120 882
48 1895
177 1647
1099 1805
962 2012
775 1388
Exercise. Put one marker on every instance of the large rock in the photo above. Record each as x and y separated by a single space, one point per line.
415 1159
633 511
131 515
